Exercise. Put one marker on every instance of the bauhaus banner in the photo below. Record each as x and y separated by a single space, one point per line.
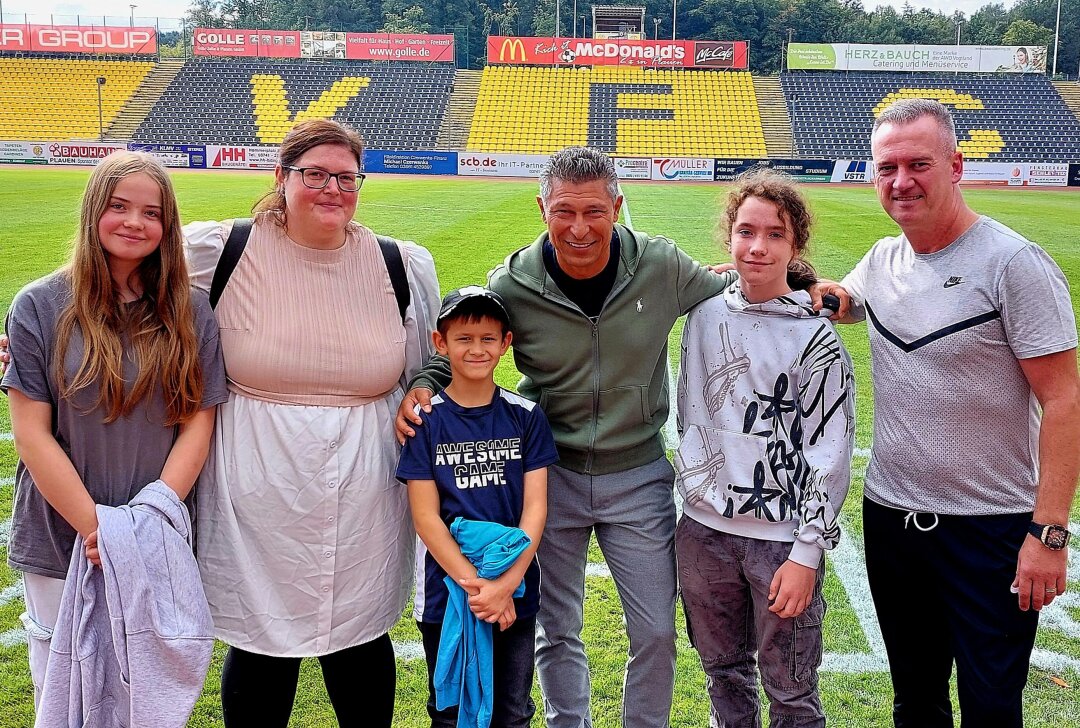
956 58
77 39
597 52
323 44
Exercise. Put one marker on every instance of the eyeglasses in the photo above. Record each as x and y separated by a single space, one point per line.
317 179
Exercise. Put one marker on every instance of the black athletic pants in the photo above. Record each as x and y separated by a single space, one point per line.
258 691
941 589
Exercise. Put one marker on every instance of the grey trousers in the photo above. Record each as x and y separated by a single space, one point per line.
633 515
725 590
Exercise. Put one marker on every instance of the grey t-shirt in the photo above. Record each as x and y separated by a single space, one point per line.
956 426
114 460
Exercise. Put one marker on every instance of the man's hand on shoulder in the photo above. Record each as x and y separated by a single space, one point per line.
824 287
407 415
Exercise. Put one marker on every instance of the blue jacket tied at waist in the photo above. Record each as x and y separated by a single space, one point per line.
463 670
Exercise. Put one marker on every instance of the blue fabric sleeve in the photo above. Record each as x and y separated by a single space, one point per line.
538 446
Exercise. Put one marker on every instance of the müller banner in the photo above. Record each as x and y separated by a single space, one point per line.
77 39
595 52
323 44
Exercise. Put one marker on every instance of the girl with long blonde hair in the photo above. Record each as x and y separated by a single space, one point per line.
115 375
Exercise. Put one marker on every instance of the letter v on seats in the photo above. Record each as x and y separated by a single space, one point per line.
271 101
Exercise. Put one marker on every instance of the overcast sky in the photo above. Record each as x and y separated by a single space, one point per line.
41 9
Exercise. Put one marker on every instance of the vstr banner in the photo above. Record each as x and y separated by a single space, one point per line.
77 39
620 52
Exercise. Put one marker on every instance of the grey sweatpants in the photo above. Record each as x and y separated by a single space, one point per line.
633 515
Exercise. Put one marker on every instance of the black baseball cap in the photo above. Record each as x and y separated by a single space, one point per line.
458 296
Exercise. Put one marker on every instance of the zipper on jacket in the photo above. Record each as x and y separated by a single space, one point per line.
616 289
595 393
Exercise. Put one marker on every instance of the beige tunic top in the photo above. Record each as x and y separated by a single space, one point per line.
305 541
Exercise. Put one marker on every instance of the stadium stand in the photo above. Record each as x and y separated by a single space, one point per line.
999 118
625 110
44 99
213 101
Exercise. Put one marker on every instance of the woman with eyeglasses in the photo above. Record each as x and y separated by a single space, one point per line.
304 536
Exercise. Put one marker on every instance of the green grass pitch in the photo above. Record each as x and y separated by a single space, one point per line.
470 225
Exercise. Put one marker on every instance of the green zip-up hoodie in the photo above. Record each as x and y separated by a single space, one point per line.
603 385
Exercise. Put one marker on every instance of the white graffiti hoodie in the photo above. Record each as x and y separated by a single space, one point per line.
766 415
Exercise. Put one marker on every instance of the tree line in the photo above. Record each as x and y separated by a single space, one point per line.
766 24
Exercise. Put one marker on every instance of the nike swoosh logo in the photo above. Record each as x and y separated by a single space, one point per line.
950 284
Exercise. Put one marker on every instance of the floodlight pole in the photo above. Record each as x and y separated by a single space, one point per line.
574 16
556 18
674 6
1057 30
656 29
100 123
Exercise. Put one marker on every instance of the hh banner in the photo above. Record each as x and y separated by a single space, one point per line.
379 160
323 44
595 52
1074 175
236 157
192 156
956 58
804 170
23 153
77 39
473 164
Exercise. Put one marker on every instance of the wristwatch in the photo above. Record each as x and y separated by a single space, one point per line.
1052 536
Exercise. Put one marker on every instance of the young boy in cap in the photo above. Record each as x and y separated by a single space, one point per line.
481 454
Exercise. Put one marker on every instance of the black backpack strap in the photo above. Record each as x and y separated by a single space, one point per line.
395 266
230 256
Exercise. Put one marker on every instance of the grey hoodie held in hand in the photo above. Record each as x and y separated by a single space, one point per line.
133 639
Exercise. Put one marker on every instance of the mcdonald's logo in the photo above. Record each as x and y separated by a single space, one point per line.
514 46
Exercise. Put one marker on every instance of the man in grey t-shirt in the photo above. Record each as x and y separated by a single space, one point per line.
967 495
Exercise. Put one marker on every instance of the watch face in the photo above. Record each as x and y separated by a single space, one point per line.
1055 537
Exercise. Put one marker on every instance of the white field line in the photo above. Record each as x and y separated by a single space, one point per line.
11 593
12 638
847 563
411 650
6 436
5 533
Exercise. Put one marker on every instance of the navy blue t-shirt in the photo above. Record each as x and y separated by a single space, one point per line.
478 457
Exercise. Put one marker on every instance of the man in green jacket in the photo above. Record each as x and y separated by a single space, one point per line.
592 304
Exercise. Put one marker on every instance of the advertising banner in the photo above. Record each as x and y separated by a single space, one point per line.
23 153
77 39
399 47
246 43
633 168
1046 175
192 156
323 44
1016 174
956 58
1074 175
378 160
81 152
238 157
852 170
683 169
804 170
475 164
622 52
